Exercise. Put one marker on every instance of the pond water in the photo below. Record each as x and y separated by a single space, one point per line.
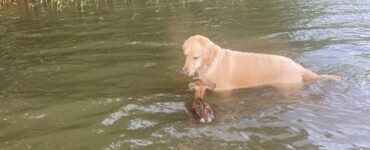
110 77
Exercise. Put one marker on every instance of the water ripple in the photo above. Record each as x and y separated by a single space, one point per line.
160 107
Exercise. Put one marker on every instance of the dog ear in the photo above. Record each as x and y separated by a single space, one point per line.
209 53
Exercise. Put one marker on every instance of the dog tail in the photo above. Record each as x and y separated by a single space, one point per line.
330 77
309 75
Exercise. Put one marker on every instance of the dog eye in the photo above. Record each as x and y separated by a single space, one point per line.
196 57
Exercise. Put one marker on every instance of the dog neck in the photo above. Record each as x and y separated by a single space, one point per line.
207 71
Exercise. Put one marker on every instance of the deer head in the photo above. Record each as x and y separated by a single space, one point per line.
200 88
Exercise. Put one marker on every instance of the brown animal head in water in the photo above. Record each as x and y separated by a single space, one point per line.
201 110
200 88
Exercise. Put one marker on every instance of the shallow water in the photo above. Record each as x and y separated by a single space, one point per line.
110 78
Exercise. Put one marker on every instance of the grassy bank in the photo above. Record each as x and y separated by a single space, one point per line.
57 5
84 5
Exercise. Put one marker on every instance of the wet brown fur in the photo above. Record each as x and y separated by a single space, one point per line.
199 107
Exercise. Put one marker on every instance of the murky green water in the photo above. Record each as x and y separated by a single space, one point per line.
111 78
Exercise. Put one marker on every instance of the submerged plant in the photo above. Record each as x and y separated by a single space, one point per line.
83 5
57 5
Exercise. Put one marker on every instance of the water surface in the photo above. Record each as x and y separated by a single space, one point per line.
110 77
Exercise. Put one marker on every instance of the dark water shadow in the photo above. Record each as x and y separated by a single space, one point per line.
239 104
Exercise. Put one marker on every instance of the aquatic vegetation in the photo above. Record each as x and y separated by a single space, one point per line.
57 5
3 3
83 5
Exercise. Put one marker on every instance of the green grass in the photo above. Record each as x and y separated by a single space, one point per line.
83 5
57 5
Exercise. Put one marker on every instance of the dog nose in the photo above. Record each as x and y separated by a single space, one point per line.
185 70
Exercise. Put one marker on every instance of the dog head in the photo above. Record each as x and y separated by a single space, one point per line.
198 51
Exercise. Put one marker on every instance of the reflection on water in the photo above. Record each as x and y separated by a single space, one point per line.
110 78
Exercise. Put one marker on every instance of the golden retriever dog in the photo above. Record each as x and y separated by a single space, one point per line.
235 70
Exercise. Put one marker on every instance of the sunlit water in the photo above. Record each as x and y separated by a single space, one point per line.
110 78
